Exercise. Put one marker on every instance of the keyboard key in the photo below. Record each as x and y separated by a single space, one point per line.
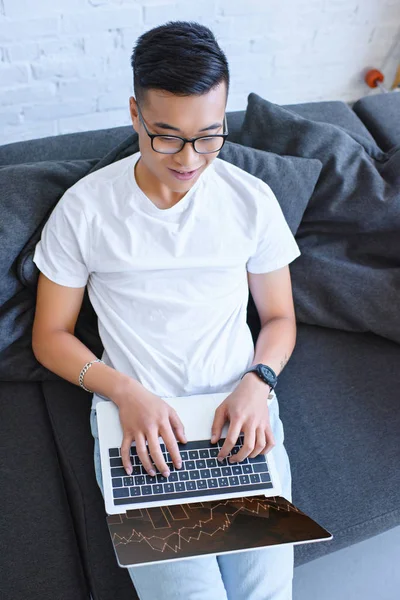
136 470
190 485
139 480
157 488
132 450
113 452
204 453
189 465
214 452
215 472
226 471
194 475
201 464
183 476
235 450
205 473
223 463
135 491
180 486
212 483
234 480
146 490
237 470
168 487
247 469
173 477
149 479
255 478
211 462
118 472
202 484
257 459
260 468
161 479
193 454
120 492
117 482
223 482
244 479
184 455
265 477
128 481
138 462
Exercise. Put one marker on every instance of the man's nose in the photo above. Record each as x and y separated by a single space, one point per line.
187 157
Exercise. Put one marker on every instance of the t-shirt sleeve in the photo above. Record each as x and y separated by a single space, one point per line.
62 254
275 246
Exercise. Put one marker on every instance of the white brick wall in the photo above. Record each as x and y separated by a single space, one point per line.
65 64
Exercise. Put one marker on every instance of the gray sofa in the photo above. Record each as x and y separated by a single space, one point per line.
338 396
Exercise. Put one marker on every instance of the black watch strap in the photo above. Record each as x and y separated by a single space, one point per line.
265 373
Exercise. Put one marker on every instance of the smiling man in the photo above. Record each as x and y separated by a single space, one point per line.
169 241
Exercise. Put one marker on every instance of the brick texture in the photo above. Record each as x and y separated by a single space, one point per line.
65 64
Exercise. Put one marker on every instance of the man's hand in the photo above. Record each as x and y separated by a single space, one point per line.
247 411
144 416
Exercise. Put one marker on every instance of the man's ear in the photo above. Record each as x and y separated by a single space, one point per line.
134 113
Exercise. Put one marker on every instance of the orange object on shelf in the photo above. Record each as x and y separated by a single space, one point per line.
373 78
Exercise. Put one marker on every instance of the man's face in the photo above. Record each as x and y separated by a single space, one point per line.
188 117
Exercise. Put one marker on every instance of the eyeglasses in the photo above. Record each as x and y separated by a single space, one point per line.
172 144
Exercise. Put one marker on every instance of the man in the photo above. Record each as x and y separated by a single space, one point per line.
169 241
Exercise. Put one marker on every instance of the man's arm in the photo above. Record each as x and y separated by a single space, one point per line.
246 408
272 295
56 347
143 415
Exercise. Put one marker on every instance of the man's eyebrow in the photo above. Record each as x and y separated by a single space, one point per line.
162 125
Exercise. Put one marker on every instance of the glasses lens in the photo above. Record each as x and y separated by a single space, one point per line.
167 144
209 144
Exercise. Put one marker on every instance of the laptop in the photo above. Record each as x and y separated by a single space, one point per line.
206 507
202 477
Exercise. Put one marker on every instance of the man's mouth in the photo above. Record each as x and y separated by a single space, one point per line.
183 175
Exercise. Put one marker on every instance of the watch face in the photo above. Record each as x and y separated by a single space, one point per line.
266 372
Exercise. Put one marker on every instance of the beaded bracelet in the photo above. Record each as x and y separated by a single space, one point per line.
84 371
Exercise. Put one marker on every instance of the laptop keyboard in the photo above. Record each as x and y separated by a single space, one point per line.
201 474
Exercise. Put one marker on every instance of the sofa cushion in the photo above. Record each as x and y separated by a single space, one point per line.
40 558
381 114
339 404
69 411
349 273
28 194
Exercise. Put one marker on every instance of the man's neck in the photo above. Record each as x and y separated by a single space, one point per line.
158 193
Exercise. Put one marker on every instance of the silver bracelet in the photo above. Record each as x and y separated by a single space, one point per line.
84 371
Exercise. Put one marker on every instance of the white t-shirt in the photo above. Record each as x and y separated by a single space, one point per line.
169 286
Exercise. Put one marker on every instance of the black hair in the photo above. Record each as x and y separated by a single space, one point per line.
180 57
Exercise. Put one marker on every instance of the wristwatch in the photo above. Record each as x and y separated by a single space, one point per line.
265 373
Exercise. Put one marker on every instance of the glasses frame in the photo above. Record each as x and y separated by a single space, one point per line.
185 141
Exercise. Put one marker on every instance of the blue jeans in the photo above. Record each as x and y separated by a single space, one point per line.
265 574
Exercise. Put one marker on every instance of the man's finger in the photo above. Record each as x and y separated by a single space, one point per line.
230 440
269 445
260 443
125 454
177 427
141 449
172 446
156 453
218 424
248 445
